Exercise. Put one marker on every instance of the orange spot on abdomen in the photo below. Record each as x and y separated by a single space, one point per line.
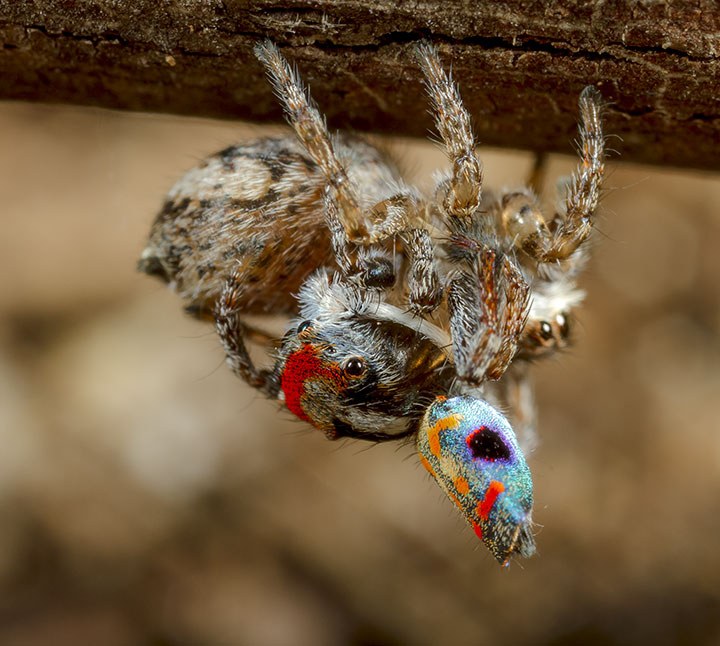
449 421
428 466
434 442
461 484
444 423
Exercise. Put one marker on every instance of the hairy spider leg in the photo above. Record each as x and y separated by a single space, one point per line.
232 333
312 130
352 229
584 191
558 240
453 124
485 326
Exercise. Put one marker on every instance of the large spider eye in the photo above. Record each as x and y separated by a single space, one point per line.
303 326
355 367
487 444
563 321
546 330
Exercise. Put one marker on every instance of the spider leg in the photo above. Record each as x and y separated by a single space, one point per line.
559 239
488 304
514 316
312 131
536 177
474 319
488 311
424 288
393 217
463 189
584 191
232 331
372 267
352 231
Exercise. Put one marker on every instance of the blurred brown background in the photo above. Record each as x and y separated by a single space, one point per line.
149 497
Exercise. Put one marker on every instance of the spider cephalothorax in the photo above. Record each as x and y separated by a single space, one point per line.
361 376
436 297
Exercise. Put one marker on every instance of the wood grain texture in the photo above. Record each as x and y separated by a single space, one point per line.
520 65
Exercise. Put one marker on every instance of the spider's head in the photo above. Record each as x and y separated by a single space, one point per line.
315 377
471 450
360 377
543 336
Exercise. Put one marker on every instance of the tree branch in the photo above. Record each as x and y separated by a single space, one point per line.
520 66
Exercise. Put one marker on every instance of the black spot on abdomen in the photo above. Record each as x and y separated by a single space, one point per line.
487 444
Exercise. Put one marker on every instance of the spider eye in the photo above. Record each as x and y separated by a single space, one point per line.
355 367
546 330
563 321
487 444
380 273
303 326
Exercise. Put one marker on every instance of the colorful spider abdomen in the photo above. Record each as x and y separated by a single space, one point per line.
472 452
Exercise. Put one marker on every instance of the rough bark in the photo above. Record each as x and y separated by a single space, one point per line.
520 65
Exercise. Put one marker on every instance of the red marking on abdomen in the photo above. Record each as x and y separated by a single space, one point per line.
486 504
478 530
300 366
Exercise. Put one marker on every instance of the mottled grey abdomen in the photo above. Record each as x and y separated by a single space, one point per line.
256 206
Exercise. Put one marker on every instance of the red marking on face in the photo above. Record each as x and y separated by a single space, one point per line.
486 504
300 366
